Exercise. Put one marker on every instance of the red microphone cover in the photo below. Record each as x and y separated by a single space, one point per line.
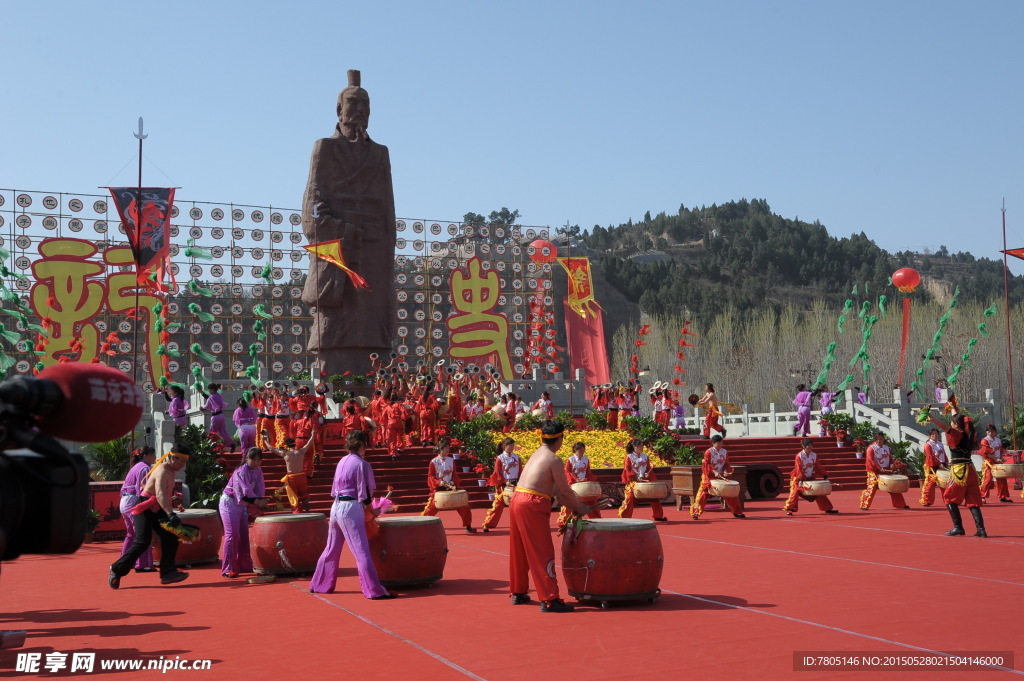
100 403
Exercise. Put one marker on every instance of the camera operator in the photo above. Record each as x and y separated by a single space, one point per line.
154 509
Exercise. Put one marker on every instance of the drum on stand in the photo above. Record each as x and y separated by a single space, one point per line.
449 500
206 547
893 484
942 477
540 413
588 492
409 550
613 559
650 491
287 543
1007 470
725 489
816 488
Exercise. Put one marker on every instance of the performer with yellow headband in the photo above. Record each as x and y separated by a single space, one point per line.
151 514
532 553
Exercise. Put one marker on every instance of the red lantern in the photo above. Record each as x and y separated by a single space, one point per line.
543 251
906 279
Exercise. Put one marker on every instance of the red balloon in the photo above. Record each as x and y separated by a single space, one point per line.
906 279
543 251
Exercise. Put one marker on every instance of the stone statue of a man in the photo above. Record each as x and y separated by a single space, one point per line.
350 192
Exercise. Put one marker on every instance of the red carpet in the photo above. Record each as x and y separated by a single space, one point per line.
739 598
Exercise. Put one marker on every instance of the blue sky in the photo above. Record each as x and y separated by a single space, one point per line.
899 119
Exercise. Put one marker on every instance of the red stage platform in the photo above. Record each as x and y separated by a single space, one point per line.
740 598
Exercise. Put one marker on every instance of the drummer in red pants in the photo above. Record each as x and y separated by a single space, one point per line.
715 465
637 468
531 551
806 468
442 476
506 472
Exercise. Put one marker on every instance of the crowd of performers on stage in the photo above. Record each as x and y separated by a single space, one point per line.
409 408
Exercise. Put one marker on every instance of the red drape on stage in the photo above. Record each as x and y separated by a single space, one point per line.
586 344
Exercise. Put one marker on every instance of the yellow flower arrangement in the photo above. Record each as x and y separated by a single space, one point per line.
606 448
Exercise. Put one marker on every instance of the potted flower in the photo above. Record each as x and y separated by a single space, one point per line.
841 437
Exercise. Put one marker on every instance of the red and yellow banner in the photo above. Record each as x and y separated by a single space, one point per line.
581 285
330 251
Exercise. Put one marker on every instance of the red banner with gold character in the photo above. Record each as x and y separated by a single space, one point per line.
581 285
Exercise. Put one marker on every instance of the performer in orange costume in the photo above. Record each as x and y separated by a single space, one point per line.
710 402
963 487
577 469
261 402
880 461
614 404
715 465
992 449
637 468
806 468
934 459
377 406
442 475
531 552
507 466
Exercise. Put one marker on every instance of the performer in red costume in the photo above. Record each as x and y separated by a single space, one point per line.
426 409
394 425
935 458
577 469
637 468
715 465
662 404
963 487
806 468
992 449
531 552
614 405
507 466
880 461
443 476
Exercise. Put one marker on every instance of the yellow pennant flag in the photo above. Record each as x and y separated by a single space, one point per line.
331 252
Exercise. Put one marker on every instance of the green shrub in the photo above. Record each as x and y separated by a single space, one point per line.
597 420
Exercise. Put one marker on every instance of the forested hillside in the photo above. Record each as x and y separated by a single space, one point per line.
742 254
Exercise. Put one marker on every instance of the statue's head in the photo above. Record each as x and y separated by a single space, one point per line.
353 106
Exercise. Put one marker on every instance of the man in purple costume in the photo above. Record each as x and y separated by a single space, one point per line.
245 487
802 402
352 490
215 405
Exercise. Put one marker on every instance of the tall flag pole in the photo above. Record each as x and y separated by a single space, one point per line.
1009 342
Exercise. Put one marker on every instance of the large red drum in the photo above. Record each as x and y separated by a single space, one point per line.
287 543
205 548
613 559
409 550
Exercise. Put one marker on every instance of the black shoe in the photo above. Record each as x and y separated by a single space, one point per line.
831 510
906 507
557 605
384 597
979 522
789 513
662 519
738 515
723 433
113 580
174 577
1006 500
470 530
694 516
520 599
153 569
486 530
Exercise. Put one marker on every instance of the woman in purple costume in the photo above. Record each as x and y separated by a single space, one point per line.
142 459
178 407
215 405
245 422
352 490
803 411
245 487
